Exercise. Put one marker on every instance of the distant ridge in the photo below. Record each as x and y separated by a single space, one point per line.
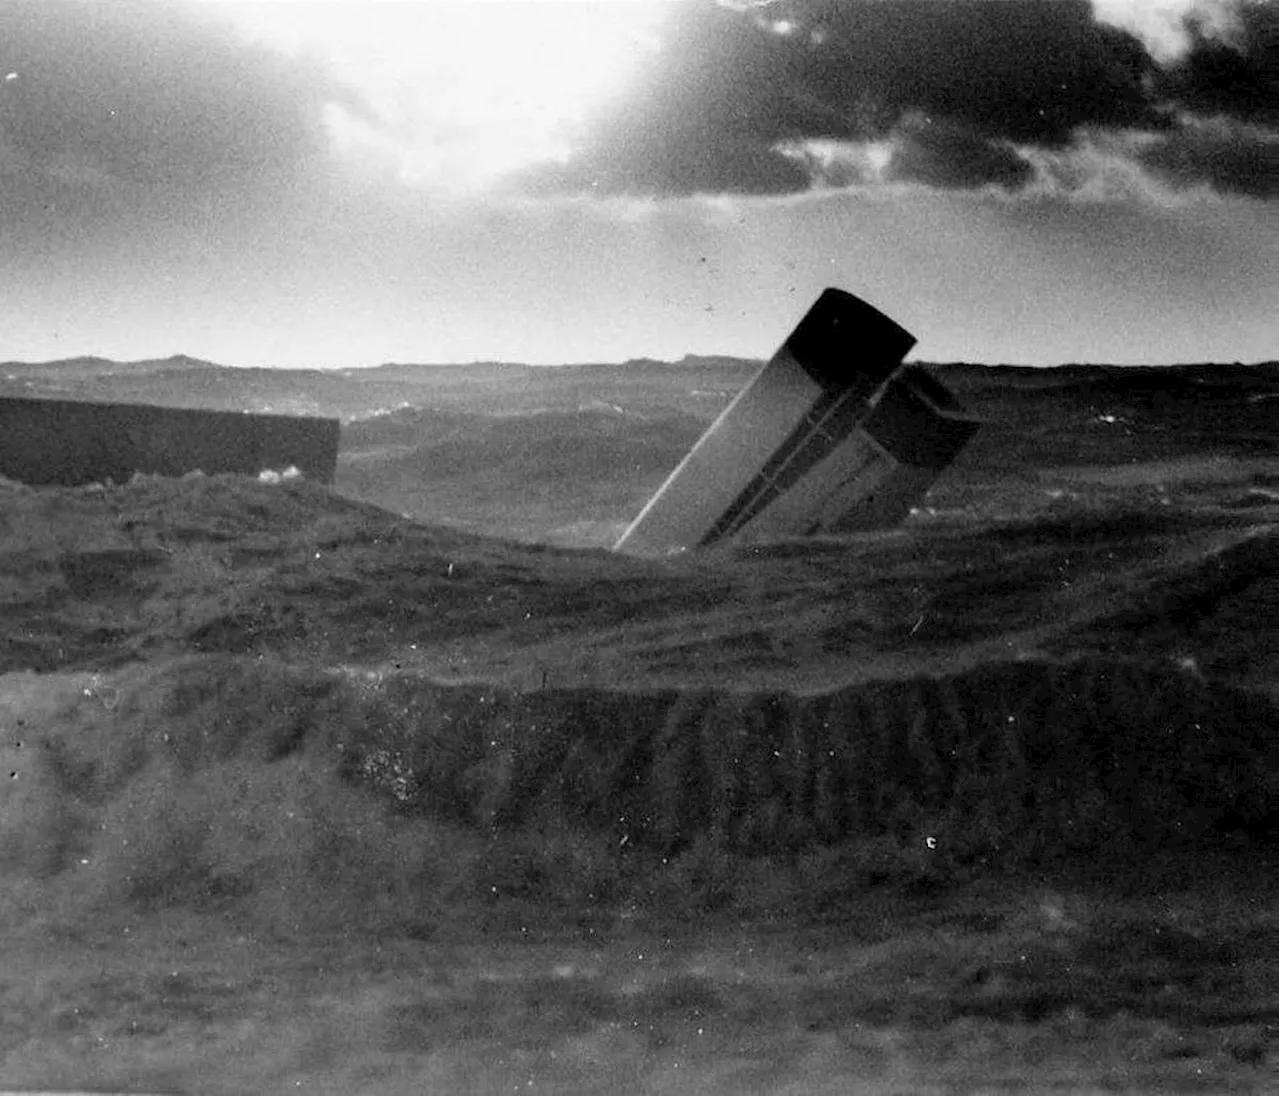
91 364
88 365
1216 375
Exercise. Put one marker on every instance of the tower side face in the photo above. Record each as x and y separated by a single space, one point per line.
766 444
882 466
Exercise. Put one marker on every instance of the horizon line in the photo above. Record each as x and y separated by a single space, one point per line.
591 363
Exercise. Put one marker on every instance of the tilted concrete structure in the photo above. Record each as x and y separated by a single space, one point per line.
832 435
69 442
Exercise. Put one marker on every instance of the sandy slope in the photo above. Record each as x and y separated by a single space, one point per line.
987 991
303 794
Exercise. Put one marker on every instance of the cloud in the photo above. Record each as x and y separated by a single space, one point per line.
779 96
919 150
952 155
736 87
1228 67
646 101
1104 167
151 95
458 93
1200 160
841 164
1222 153
1193 162
1170 29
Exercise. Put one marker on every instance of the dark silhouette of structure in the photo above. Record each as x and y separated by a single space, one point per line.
832 435
68 442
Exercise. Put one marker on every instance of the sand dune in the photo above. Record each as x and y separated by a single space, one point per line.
305 792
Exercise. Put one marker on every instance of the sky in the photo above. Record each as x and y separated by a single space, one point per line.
350 183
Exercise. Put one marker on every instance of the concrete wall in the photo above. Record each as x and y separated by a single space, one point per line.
68 443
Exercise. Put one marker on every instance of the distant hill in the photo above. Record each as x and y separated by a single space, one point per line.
89 366
494 387
1113 379
570 453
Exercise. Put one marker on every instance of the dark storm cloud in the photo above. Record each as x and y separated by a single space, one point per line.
150 94
1233 76
1225 92
952 155
1024 70
959 79
1229 157
954 86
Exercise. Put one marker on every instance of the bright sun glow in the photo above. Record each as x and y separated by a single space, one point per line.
461 92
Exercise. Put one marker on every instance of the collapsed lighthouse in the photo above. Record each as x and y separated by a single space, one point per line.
833 435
